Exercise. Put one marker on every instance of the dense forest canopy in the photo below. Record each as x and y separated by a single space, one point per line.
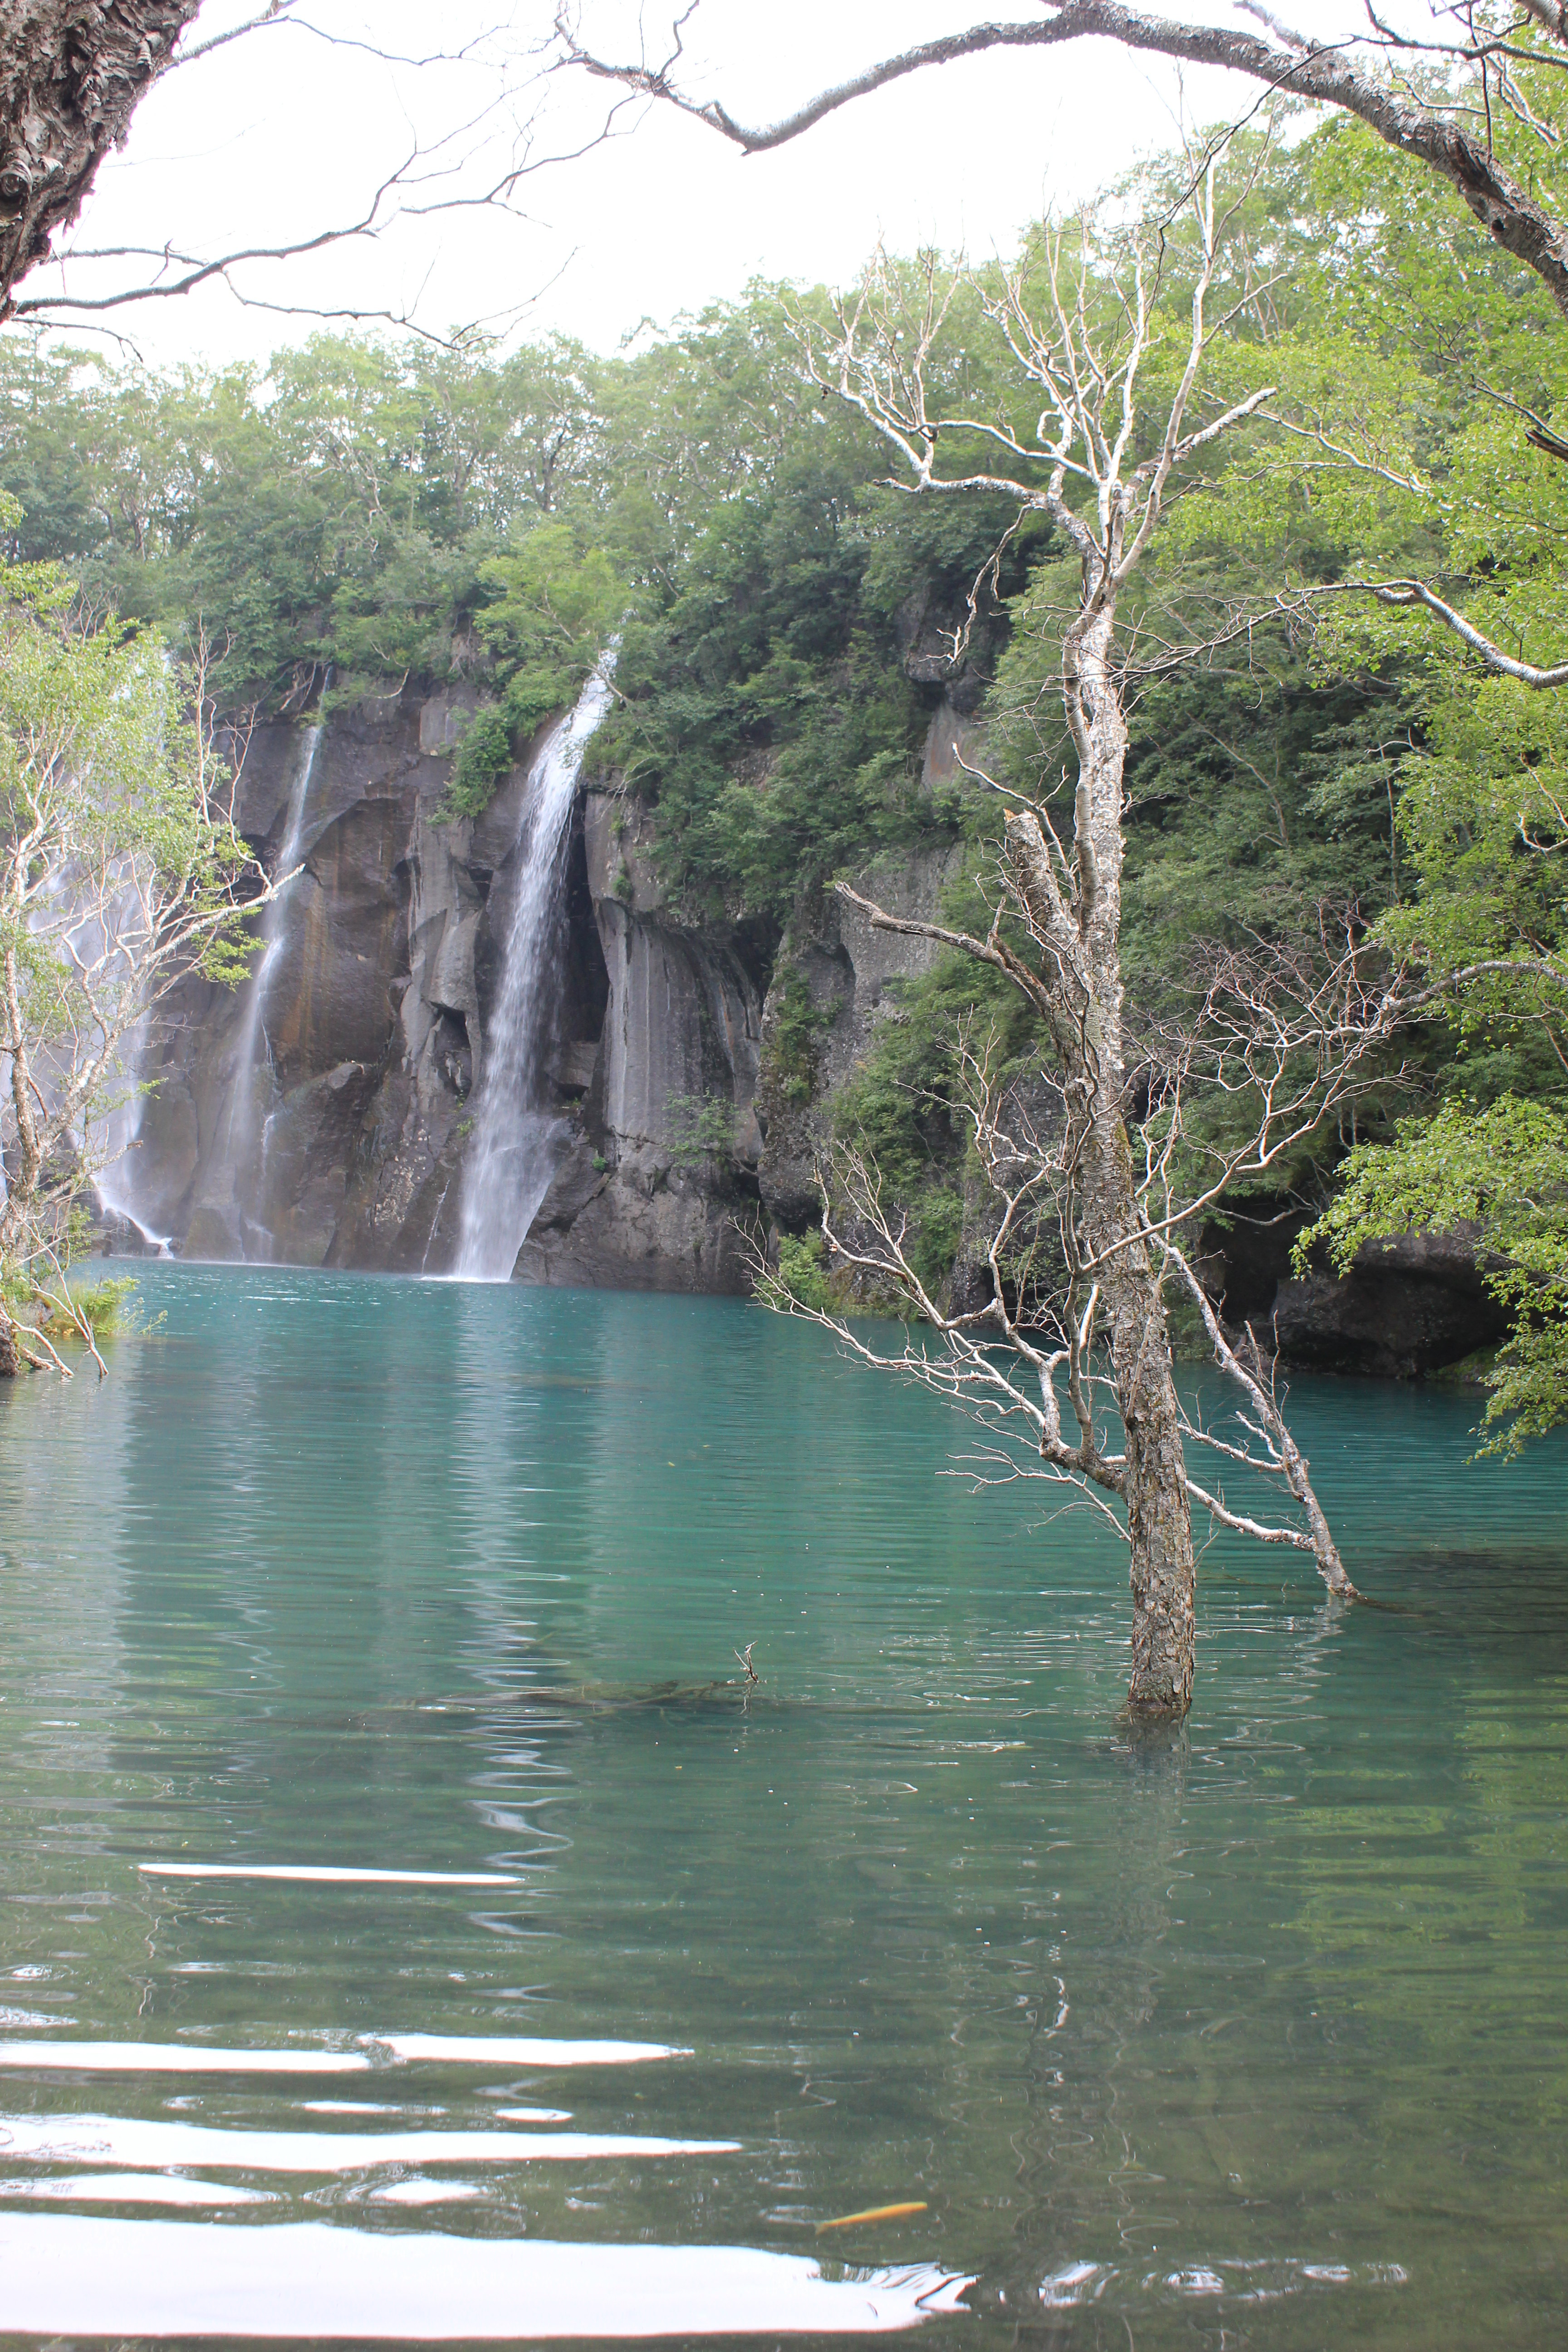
364 510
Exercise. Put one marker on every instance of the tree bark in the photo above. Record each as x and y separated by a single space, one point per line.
1162 1568
1081 969
71 75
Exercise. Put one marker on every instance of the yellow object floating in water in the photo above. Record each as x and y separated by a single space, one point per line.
873 2213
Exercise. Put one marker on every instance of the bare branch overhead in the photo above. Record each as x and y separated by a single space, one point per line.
477 162
1343 74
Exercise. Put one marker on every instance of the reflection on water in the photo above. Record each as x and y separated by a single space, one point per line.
101 2277
370 1711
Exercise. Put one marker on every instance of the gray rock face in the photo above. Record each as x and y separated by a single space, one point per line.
278 1147
844 966
353 1117
1408 1305
675 1065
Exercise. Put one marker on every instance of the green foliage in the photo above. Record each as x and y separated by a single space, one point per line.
796 1027
765 713
698 1128
482 758
555 606
104 1305
1502 1170
904 1107
802 1272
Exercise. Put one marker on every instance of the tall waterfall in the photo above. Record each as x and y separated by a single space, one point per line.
518 1138
108 938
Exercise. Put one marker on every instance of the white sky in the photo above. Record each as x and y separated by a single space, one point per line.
281 133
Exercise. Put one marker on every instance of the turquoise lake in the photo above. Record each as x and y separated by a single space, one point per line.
1248 2034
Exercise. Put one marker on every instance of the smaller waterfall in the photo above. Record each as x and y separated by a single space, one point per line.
241 1140
274 925
518 1139
109 941
115 1184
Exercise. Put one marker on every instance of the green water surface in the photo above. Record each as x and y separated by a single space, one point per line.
1248 2034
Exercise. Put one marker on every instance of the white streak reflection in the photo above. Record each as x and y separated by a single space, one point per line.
134 2140
426 2192
466 2049
176 2058
313 1875
138 2189
90 2277
379 2050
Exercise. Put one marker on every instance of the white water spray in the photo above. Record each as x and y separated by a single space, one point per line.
518 1139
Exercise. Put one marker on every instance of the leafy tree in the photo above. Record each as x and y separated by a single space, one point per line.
1502 1170
121 872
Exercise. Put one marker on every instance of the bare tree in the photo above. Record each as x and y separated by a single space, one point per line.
1283 1038
1035 1342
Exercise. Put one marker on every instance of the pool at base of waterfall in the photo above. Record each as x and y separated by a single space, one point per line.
413 1925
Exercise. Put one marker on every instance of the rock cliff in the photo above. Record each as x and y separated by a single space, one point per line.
697 1068
343 1146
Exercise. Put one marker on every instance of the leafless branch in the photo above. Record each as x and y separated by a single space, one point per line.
1332 74
1411 593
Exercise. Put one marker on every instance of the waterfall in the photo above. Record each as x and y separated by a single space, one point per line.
274 927
518 1139
239 1143
115 1183
105 938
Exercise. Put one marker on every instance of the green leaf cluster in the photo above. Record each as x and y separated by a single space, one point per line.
1501 1171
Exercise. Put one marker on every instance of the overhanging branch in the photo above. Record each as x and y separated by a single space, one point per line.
1324 74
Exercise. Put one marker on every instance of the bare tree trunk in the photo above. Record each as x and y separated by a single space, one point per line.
71 73
1082 967
1163 1568
1114 1254
16 1047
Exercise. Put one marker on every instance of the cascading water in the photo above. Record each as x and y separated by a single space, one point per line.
105 938
116 1186
242 1133
518 1139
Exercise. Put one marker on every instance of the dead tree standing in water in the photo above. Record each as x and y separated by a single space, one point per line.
1291 1038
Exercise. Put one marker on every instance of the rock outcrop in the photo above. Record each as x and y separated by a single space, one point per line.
660 1191
341 1142
829 996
